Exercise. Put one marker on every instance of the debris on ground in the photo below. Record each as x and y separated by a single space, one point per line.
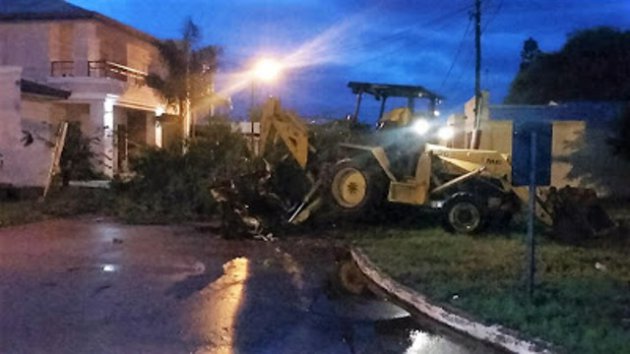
578 214
248 207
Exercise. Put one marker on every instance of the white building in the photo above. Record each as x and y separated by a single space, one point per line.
580 153
61 62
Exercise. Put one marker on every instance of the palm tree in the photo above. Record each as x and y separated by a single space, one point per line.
191 70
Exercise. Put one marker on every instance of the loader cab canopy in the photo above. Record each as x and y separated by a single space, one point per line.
382 92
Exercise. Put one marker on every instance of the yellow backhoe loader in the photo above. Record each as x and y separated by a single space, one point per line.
469 187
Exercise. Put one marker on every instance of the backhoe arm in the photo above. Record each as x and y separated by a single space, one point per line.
276 124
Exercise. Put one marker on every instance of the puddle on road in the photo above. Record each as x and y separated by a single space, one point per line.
377 325
234 305
109 268
374 325
216 316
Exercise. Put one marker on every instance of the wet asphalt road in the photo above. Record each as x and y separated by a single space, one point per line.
93 286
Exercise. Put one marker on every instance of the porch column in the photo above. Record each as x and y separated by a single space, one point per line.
102 122
159 134
151 129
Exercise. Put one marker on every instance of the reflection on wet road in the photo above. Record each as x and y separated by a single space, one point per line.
215 315
84 286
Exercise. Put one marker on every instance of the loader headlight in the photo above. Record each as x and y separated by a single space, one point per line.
446 133
421 126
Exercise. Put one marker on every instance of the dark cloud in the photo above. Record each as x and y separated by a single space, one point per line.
399 41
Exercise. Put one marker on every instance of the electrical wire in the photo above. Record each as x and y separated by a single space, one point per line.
457 53
492 17
405 34
467 63
402 33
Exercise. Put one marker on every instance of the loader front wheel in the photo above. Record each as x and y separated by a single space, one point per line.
463 215
355 189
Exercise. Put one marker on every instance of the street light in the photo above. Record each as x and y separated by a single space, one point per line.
265 70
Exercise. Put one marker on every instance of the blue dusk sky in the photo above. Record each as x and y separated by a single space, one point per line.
327 43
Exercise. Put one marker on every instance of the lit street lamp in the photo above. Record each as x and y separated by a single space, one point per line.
265 70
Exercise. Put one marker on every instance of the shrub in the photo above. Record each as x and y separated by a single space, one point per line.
77 156
170 186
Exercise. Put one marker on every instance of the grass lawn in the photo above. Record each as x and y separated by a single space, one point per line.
60 203
582 299
22 212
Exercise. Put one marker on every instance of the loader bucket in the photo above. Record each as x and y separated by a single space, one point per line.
577 214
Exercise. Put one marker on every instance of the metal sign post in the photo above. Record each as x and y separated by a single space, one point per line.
531 168
531 241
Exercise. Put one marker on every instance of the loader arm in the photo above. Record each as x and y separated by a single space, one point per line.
278 124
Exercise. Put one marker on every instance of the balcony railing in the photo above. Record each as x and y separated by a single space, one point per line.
104 68
62 68
99 68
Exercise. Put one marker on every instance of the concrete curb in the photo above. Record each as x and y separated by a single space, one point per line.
494 334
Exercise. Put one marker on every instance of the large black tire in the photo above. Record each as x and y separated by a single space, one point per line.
355 190
463 214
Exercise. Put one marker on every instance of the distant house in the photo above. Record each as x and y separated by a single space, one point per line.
61 62
581 155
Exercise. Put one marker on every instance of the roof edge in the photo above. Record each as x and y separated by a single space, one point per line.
84 14
36 88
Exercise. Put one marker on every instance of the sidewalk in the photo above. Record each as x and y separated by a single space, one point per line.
496 335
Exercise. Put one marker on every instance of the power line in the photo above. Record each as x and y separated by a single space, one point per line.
493 16
475 136
467 63
394 37
402 34
459 49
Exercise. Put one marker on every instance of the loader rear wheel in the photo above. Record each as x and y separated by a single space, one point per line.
463 215
355 189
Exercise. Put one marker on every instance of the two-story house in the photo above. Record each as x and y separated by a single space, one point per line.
89 68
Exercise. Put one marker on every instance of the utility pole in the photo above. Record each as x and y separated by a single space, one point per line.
251 116
474 144
188 126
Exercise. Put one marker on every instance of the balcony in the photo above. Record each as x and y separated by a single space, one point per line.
62 69
98 69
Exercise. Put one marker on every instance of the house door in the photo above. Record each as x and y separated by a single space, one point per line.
136 132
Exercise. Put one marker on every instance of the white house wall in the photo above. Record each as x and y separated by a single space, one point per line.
26 44
9 106
24 163
581 155
61 41
568 138
99 103
12 166
33 45
38 121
